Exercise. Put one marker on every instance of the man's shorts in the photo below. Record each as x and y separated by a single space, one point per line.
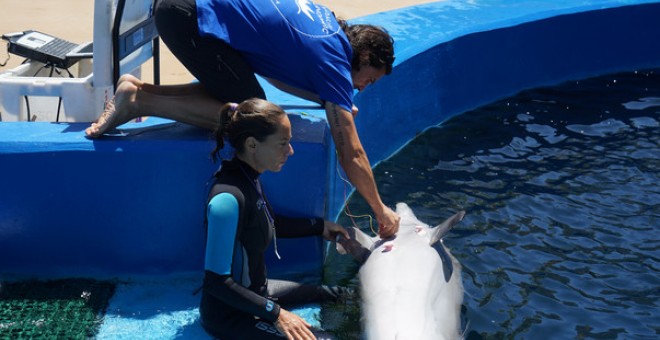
222 70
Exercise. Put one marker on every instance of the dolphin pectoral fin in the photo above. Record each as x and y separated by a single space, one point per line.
447 265
359 245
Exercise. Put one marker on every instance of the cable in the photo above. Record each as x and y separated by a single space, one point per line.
27 106
59 106
39 69
347 211
53 69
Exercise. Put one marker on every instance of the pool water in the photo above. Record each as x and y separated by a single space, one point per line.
560 185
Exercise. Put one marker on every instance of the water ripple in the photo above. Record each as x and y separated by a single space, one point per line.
561 189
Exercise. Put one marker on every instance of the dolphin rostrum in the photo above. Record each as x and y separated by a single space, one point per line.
411 285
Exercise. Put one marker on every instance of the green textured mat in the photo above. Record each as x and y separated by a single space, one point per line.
62 309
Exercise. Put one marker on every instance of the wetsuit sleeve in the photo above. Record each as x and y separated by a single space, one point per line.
223 227
222 215
290 227
230 292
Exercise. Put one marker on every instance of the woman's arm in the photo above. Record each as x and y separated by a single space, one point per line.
230 292
223 215
292 227
289 227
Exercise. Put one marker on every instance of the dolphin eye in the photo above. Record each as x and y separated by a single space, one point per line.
388 246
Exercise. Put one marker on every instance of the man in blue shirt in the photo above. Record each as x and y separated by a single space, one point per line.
297 45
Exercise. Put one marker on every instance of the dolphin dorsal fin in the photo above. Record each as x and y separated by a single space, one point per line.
359 246
443 228
436 242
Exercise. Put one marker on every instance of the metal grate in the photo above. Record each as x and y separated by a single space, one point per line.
62 309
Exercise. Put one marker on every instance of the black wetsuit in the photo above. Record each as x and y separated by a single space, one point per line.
237 300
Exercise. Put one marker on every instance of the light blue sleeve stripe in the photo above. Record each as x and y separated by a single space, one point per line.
222 226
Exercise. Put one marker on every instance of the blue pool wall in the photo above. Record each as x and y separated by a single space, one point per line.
134 204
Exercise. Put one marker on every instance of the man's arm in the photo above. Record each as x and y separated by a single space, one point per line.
354 161
294 91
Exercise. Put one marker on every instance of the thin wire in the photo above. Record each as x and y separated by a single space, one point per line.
347 211
59 106
39 70
264 205
27 107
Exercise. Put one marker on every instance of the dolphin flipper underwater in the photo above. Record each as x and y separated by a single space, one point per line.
411 285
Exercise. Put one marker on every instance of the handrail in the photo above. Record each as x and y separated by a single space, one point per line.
126 43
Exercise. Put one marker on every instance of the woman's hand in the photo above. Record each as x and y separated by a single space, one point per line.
331 229
293 326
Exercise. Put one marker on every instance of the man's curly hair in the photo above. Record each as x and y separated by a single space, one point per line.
372 46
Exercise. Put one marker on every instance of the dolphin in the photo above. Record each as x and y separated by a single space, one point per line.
410 284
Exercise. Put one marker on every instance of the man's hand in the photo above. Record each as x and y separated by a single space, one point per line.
388 223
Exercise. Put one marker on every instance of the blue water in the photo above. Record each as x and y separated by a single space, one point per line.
560 186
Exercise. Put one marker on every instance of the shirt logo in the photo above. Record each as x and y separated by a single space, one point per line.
305 7
307 17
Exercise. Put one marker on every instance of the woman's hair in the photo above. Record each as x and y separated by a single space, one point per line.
372 46
254 117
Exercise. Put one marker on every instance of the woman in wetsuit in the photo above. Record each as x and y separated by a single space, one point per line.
238 301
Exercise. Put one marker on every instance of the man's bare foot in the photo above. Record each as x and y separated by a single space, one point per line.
119 110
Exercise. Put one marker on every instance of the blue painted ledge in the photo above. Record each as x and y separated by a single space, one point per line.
134 204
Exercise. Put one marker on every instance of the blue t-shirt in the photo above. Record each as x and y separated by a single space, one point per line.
296 42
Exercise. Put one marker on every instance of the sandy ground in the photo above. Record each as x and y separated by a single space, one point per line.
73 20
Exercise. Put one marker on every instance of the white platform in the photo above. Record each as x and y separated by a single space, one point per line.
84 87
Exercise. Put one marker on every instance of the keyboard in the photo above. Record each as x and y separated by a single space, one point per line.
57 48
44 48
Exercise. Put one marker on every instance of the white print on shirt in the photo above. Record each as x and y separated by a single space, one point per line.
306 11
305 7
326 19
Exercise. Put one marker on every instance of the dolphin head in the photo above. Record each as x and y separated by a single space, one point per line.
410 285
360 245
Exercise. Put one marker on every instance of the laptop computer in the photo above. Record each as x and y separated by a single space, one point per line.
46 48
